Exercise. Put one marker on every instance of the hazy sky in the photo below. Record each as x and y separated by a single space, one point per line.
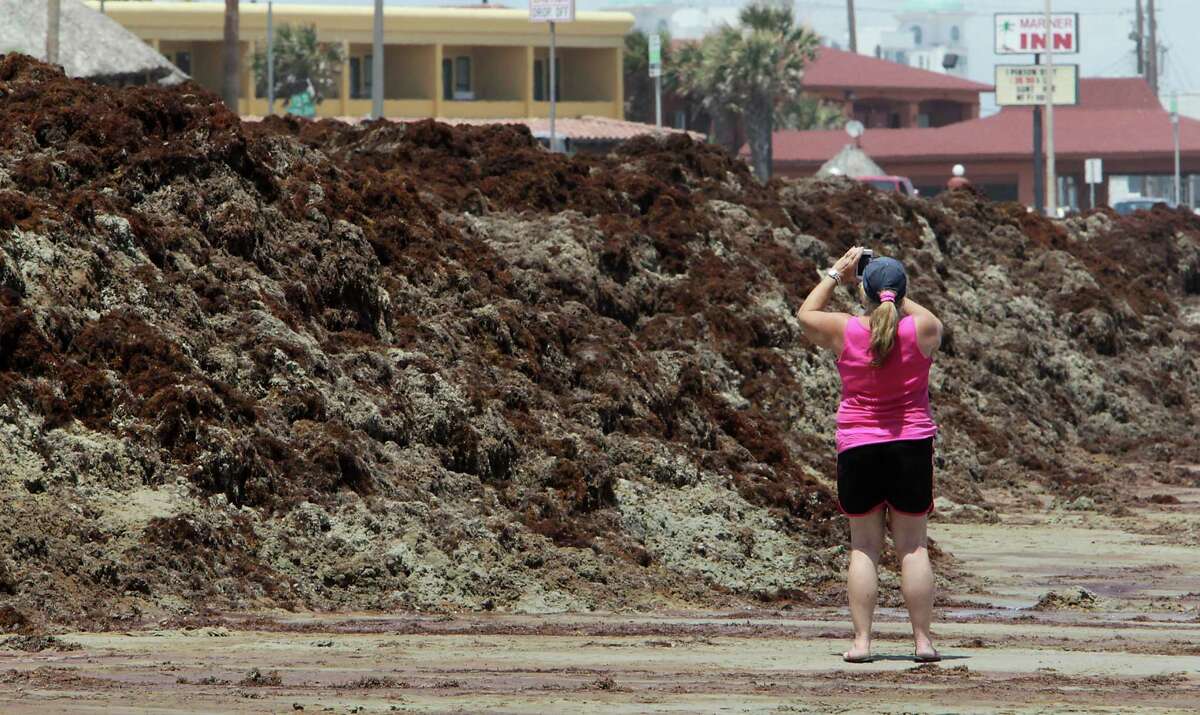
1105 49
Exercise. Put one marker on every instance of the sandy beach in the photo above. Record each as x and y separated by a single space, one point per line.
1135 648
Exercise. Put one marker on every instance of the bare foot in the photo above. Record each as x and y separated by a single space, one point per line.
858 654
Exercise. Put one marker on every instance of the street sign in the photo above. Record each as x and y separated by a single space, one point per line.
1025 85
1093 171
1025 33
552 10
656 49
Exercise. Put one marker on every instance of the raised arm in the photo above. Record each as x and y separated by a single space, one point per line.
824 328
929 328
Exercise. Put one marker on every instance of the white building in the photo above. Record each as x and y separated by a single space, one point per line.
683 20
929 34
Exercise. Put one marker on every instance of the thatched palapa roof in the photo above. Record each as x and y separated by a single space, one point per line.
90 44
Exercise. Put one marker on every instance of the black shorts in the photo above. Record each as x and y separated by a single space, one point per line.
897 474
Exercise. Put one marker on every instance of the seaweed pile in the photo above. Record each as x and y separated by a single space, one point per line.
413 366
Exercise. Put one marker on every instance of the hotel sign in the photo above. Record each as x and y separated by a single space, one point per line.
551 10
1025 33
1025 85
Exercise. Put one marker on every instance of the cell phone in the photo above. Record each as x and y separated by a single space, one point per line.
863 260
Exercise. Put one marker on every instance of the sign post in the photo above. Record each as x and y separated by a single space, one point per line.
1046 33
270 59
377 62
552 12
655 51
1093 173
1051 170
1175 131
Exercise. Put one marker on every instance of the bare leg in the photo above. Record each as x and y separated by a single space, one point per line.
916 578
866 540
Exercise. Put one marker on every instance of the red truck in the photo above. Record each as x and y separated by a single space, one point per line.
899 184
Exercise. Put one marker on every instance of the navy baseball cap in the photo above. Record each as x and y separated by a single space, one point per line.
885 274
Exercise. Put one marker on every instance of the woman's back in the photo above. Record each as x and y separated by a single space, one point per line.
885 403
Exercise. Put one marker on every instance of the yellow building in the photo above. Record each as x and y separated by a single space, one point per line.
467 63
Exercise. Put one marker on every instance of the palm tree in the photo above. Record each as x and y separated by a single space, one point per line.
809 112
231 56
300 59
754 71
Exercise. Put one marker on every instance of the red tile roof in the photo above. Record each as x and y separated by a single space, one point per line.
1077 134
1117 93
581 128
838 69
578 128
1137 125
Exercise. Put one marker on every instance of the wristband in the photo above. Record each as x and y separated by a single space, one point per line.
833 273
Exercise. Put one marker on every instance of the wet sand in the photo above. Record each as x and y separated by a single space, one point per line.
1136 649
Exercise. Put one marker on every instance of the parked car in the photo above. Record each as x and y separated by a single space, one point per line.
898 184
1125 207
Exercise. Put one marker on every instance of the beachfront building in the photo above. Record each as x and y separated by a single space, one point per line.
1118 120
889 95
457 63
929 35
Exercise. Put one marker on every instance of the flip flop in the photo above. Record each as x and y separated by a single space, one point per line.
936 657
860 659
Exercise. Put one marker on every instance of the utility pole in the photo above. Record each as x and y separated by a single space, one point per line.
853 25
1039 173
231 57
553 93
1051 174
1175 132
53 12
270 59
1139 41
1152 50
377 63
655 60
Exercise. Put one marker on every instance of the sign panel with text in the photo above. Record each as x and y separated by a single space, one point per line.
654 48
1025 85
1024 33
551 10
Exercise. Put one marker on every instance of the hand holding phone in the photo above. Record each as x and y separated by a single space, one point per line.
863 260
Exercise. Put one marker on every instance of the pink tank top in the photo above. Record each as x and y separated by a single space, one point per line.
887 403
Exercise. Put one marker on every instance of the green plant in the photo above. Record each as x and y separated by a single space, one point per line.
809 112
300 59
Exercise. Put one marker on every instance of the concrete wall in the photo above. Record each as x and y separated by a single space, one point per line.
500 73
589 75
408 72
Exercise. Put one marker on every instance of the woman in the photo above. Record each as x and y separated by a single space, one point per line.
884 435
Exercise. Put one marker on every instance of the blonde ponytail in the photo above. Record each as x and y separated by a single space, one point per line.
883 332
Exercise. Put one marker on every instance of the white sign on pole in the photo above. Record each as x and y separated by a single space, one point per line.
552 10
1025 33
1093 170
1025 85
655 52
